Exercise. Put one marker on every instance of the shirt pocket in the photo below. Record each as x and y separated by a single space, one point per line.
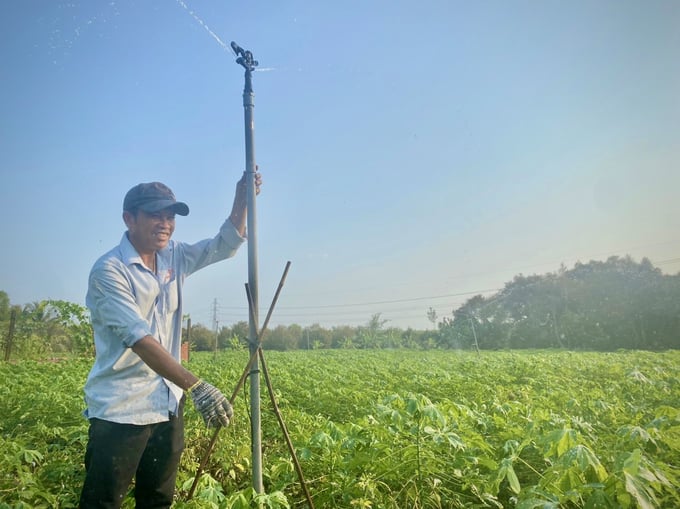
171 294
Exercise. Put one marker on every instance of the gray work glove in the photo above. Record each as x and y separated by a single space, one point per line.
211 404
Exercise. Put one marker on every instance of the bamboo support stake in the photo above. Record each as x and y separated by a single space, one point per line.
284 429
241 381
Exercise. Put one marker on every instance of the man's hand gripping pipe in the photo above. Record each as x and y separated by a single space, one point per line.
242 380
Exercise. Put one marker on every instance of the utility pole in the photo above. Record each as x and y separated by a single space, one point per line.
474 333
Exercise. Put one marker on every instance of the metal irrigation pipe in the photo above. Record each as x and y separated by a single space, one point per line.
241 381
247 61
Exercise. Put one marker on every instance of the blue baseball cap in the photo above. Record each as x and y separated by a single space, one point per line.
152 197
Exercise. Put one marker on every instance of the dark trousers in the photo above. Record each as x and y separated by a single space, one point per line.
118 452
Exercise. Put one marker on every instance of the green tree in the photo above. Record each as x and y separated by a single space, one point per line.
283 338
342 336
39 331
411 338
618 303
241 330
202 338
319 336
227 339
75 319
373 334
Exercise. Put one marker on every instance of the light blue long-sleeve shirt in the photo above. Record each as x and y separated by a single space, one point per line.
128 302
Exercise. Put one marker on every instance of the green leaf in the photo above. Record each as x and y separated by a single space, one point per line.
507 472
560 441
640 492
586 461
305 453
32 457
412 405
432 412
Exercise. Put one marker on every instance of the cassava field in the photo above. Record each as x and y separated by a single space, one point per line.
388 429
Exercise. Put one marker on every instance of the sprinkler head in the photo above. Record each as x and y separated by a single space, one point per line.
237 49
245 57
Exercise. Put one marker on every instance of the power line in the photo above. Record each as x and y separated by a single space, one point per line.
667 262
396 301
240 310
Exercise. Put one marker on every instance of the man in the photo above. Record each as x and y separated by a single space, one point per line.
134 392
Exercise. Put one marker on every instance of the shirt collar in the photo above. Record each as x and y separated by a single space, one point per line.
128 252
130 256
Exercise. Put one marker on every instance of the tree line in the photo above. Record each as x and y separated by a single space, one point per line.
604 306
601 306
44 328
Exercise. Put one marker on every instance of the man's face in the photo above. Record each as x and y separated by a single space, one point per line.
150 232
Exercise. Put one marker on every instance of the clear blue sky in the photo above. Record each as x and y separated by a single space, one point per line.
413 153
